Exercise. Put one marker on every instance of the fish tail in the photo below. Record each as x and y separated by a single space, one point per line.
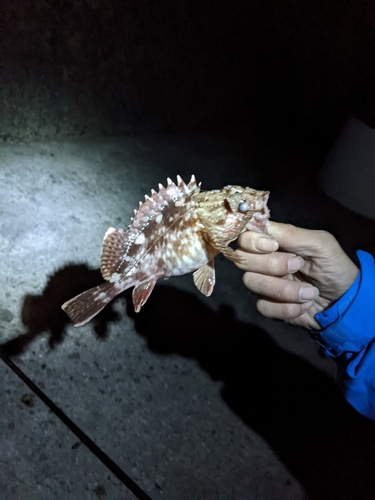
86 305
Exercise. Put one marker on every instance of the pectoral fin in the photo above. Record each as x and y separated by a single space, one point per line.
141 293
231 254
226 250
204 278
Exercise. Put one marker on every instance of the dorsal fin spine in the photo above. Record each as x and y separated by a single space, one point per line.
156 203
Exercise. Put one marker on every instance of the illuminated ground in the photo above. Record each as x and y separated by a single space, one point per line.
194 398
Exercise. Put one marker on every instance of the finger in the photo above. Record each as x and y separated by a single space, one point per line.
280 289
272 264
284 311
304 242
255 242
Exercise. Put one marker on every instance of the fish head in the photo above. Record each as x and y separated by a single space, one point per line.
227 212
246 208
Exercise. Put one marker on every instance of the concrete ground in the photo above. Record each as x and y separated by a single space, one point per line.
193 398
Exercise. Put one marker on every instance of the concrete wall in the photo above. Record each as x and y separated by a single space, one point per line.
73 68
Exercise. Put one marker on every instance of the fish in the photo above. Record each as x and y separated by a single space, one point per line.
177 230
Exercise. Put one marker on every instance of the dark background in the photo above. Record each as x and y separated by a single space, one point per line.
289 71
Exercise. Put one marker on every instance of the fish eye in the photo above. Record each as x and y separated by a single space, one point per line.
243 207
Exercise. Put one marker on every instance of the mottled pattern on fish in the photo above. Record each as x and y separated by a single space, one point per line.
177 230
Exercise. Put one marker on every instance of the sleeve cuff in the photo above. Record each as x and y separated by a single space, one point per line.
349 324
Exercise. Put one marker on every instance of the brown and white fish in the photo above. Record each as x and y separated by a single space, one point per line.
178 230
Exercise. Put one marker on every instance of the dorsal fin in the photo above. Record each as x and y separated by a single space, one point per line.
154 204
112 251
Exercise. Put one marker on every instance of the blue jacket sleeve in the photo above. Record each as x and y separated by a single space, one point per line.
348 335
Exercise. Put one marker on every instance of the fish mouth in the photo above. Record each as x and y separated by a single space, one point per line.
259 220
257 225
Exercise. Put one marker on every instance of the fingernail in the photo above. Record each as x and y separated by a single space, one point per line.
266 244
294 264
308 293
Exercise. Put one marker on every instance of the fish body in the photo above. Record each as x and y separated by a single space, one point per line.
177 230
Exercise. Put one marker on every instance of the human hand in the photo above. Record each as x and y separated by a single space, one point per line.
296 272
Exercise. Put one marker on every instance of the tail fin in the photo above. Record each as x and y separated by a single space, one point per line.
88 304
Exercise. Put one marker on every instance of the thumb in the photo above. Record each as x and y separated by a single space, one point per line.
303 242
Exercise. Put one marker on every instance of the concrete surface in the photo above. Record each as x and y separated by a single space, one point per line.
194 398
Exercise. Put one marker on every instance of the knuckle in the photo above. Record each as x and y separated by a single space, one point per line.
326 237
290 311
246 241
289 229
289 290
275 264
